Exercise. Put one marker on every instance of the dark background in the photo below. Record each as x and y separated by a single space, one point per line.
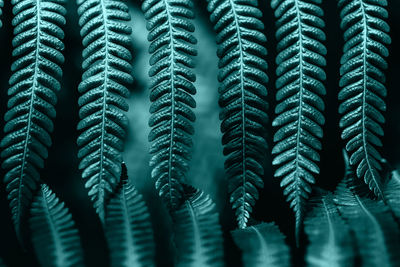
62 175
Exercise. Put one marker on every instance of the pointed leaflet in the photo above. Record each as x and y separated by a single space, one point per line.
242 97
262 245
299 119
362 81
198 235
38 33
377 234
128 227
107 73
170 27
54 235
331 242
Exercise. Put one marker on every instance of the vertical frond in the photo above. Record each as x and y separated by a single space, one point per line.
242 97
106 74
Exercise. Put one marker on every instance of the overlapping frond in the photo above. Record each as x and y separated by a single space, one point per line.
391 193
262 245
37 45
54 235
107 73
172 48
376 232
242 97
299 117
198 234
331 243
128 227
362 81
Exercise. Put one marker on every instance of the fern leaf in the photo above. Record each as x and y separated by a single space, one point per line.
107 73
170 27
331 242
198 235
300 88
128 227
54 235
242 97
377 234
362 81
262 245
36 73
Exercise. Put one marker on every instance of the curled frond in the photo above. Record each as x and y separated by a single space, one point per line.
242 97
172 48
262 245
36 72
198 234
362 82
299 112
128 227
54 235
106 75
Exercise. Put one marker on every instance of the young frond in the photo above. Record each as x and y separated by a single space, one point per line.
36 72
172 48
262 245
299 112
128 227
242 98
106 74
362 82
54 235
198 234
331 242
376 232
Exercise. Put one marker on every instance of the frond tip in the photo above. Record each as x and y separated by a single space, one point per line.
198 234
362 81
172 48
107 73
301 62
128 227
262 245
36 72
242 97
54 236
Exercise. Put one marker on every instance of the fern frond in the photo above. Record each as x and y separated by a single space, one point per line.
1 11
172 49
377 234
331 242
198 235
107 73
128 227
262 245
362 81
300 88
242 97
36 72
54 235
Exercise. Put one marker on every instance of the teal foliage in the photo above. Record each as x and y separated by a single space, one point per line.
55 239
106 76
376 232
262 245
330 241
362 82
392 193
197 232
242 77
300 60
36 72
172 48
128 227
1 11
